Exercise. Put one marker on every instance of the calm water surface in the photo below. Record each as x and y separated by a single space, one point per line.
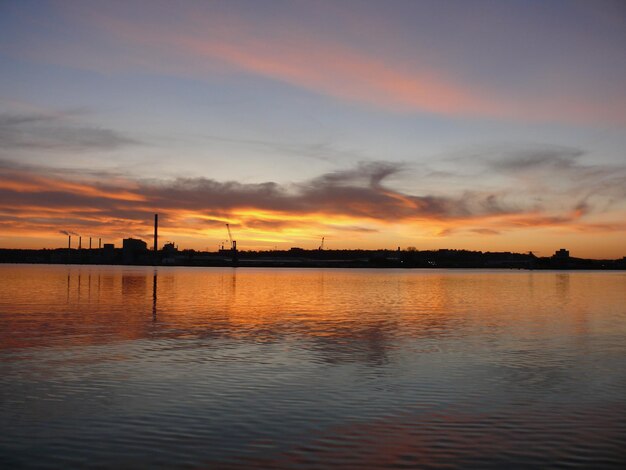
217 368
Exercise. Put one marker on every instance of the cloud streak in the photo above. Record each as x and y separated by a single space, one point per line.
554 168
56 132
202 42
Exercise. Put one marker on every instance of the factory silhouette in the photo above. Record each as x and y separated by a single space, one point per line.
136 252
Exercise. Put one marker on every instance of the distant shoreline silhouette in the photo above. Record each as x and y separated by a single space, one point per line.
137 254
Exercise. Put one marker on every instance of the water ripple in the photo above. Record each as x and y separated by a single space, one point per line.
107 367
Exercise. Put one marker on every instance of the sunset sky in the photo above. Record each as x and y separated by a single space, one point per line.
484 125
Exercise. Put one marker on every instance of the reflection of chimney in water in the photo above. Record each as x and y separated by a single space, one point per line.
154 296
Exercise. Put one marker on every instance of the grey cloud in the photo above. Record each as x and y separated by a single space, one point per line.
197 193
370 172
21 170
360 191
56 132
556 163
353 228
485 231
555 171
324 151
559 158
276 225
9 120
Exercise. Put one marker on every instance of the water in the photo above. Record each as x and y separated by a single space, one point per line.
218 368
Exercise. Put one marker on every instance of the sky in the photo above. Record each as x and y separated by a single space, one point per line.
480 125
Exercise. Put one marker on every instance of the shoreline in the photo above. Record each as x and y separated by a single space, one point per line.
299 258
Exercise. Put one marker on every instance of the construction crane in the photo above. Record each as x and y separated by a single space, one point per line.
321 247
233 247
233 243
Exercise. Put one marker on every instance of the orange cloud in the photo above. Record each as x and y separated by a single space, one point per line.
13 180
352 208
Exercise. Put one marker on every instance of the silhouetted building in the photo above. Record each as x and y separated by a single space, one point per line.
561 254
132 249
169 249
169 253
134 244
108 252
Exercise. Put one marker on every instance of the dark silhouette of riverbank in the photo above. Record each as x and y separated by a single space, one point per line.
300 258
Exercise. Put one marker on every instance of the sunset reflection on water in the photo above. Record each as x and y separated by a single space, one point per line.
271 367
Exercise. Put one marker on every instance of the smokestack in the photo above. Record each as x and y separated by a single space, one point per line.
99 243
156 231
80 242
69 242
90 243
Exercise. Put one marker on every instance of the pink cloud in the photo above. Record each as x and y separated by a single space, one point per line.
203 42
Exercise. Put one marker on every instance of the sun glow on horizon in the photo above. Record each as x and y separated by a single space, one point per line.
425 124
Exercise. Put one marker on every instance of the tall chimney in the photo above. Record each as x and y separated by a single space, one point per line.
80 242
156 231
69 242
99 243
90 243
